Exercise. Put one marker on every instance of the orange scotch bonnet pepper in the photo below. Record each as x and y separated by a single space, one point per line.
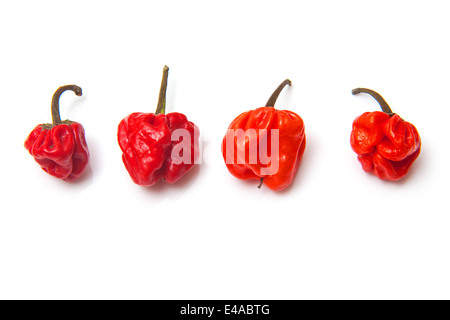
265 144
386 144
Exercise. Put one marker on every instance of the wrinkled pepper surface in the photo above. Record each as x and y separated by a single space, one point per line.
153 145
60 147
288 152
386 144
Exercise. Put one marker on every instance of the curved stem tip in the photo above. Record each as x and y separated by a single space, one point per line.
56 118
273 98
383 104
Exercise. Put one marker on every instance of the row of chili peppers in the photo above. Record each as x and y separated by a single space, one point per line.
386 145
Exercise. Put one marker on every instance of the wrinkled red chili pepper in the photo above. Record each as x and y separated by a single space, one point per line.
386 144
291 144
152 149
59 147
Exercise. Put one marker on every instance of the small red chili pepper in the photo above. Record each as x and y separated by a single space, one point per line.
280 132
59 147
151 144
386 144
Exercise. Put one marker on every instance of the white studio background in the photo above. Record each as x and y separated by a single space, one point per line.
336 233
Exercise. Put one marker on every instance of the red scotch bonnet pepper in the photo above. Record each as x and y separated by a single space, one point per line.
158 146
259 127
59 147
386 144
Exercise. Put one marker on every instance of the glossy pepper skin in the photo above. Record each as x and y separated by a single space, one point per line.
60 147
386 144
291 144
152 151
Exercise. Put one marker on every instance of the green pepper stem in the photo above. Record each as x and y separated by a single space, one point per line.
56 118
383 104
273 98
161 108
